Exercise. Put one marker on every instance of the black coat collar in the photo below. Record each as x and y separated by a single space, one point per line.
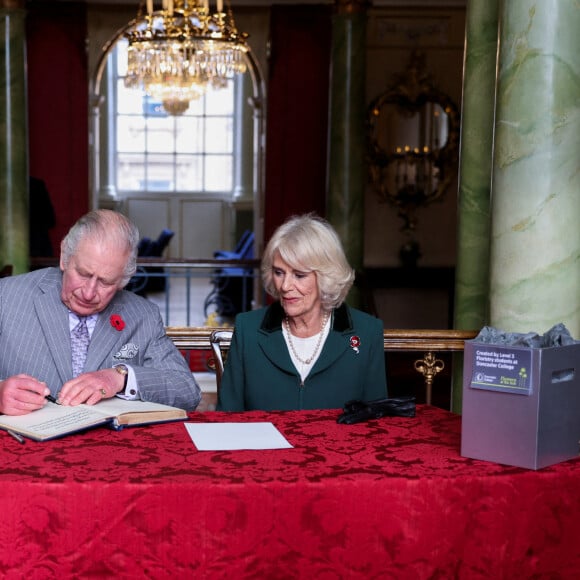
272 321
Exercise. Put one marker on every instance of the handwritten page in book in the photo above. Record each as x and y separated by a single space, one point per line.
236 436
54 420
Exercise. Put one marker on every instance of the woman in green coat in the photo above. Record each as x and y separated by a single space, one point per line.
307 350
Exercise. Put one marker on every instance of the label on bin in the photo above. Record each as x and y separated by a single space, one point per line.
502 369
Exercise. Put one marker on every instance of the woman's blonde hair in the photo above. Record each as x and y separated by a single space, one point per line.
309 243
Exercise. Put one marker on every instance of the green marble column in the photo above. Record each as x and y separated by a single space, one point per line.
346 155
13 140
535 237
475 164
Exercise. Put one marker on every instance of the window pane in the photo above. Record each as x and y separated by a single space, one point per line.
120 53
130 172
218 173
220 101
160 169
218 135
189 175
130 134
196 107
129 101
189 135
156 151
160 135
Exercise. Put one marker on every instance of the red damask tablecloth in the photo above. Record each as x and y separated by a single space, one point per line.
390 498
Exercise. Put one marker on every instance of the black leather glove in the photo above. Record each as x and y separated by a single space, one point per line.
358 411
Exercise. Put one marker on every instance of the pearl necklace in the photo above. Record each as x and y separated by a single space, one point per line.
318 343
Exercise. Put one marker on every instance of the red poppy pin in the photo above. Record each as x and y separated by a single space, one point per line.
117 322
354 343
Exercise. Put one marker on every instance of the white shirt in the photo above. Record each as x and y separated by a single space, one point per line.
304 348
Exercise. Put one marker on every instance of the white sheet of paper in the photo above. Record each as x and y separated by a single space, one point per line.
232 436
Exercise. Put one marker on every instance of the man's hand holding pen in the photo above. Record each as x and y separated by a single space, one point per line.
22 394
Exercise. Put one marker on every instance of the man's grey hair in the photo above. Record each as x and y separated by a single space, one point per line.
104 224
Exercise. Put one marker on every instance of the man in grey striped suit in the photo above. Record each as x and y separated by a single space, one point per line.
128 353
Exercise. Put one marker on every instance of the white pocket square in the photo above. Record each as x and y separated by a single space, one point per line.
128 351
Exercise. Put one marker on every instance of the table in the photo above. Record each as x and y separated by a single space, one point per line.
390 498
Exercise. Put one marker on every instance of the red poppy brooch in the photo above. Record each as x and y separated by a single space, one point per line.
354 343
117 322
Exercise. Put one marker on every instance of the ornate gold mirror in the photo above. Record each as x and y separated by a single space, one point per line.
413 145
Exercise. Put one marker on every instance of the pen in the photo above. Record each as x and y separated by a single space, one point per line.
16 436
51 399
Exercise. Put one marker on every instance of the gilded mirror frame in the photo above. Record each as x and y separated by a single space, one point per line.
419 169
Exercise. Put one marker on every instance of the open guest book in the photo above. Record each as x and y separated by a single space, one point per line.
54 420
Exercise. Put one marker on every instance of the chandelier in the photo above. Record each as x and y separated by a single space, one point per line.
176 53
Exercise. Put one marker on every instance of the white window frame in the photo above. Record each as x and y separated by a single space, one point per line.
247 168
200 143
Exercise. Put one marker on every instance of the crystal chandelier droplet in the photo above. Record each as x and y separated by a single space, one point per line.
175 54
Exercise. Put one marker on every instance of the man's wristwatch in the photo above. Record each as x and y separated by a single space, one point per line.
123 370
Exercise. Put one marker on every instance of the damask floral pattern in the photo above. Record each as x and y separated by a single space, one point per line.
389 498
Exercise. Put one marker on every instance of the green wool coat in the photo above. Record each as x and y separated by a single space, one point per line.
259 373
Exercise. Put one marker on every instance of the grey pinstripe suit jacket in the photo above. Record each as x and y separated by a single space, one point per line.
35 340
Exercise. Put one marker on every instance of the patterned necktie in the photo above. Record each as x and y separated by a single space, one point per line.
79 339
